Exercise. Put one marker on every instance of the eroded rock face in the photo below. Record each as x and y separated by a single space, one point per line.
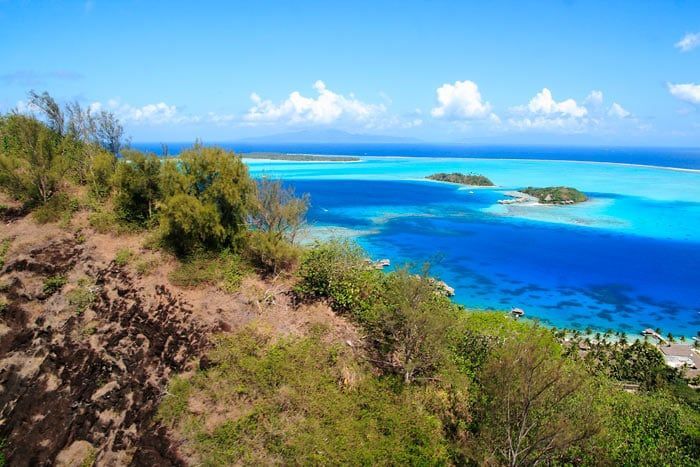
93 378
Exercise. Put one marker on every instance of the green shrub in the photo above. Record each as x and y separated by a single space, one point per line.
137 187
208 197
4 247
32 165
58 208
410 326
53 284
82 296
3 305
100 174
301 402
278 212
123 257
536 404
225 270
146 266
336 270
270 253
187 225
648 429
104 221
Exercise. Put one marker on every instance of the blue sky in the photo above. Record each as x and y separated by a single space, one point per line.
550 72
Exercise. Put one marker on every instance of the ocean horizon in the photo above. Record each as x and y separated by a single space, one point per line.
673 157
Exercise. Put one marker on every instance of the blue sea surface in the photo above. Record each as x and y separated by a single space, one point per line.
567 276
664 157
627 259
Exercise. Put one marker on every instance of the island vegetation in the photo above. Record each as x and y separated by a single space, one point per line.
462 179
556 195
162 312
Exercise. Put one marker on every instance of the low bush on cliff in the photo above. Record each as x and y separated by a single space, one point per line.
300 401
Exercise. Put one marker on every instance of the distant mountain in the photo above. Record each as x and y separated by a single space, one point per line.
327 136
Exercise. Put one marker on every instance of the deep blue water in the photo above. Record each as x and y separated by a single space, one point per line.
688 158
566 276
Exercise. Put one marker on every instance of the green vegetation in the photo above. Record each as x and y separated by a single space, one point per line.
53 284
649 429
59 208
32 165
301 401
82 296
276 219
137 188
146 265
208 197
556 195
462 179
639 362
336 271
529 399
4 246
38 159
279 156
225 270
123 257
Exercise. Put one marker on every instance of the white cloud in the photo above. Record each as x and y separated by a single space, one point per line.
545 113
616 110
461 101
688 42
543 103
328 107
594 98
689 92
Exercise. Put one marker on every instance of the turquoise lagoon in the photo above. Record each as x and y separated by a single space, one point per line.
625 260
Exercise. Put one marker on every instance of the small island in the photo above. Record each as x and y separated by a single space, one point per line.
556 195
462 179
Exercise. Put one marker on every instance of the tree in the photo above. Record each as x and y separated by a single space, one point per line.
648 429
83 138
109 132
276 219
278 212
409 326
100 173
80 124
31 163
537 405
137 186
219 181
50 108
188 224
